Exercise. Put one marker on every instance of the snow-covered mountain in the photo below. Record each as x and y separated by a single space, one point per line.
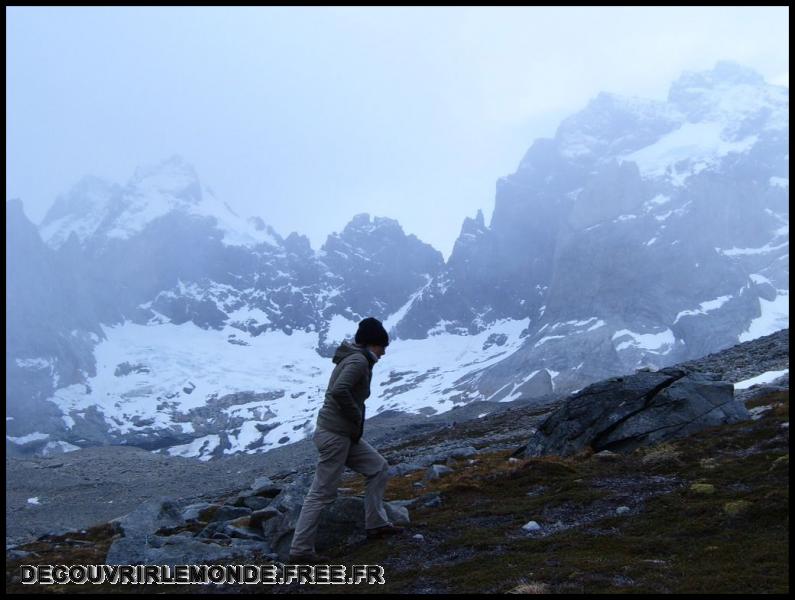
645 232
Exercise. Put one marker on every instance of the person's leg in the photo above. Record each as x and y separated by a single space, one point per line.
365 459
333 449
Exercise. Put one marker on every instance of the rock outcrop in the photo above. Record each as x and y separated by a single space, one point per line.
623 413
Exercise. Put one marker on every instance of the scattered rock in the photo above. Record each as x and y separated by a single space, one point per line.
403 469
243 528
534 587
464 452
263 486
258 517
622 510
661 453
199 512
250 499
431 500
702 488
606 455
735 508
531 526
437 471
227 513
396 513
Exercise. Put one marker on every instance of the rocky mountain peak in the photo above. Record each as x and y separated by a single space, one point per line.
297 243
471 228
80 211
362 223
363 236
14 208
173 175
18 226
725 73
730 94
611 124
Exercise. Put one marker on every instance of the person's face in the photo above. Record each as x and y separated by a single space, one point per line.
379 351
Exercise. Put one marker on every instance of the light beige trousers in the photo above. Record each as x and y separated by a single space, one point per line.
337 452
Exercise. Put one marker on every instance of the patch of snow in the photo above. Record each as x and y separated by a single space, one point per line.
596 325
744 251
543 340
341 329
759 279
31 437
245 314
552 375
435 366
704 307
58 447
646 341
177 354
765 377
201 447
33 363
660 199
89 202
700 145
774 316
395 317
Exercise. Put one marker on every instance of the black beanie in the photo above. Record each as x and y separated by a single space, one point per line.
371 332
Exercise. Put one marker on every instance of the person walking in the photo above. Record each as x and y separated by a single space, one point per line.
338 438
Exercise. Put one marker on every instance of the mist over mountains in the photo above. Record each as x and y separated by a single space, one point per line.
644 233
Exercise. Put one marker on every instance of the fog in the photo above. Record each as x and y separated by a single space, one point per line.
307 116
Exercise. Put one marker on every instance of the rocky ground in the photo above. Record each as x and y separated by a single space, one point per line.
640 522
82 488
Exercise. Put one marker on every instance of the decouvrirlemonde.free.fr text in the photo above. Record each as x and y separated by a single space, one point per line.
270 574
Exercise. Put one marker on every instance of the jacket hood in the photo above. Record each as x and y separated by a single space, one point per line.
347 348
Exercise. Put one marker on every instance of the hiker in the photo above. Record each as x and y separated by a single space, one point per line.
338 438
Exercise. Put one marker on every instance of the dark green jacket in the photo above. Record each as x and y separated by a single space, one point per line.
349 386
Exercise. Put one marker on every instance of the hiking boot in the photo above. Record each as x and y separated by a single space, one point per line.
309 558
379 532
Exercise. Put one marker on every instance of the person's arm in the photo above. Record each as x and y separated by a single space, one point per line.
352 371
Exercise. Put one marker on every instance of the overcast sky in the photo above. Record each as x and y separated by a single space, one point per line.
307 116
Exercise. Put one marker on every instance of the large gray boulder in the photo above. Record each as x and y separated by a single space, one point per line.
341 522
139 528
623 413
